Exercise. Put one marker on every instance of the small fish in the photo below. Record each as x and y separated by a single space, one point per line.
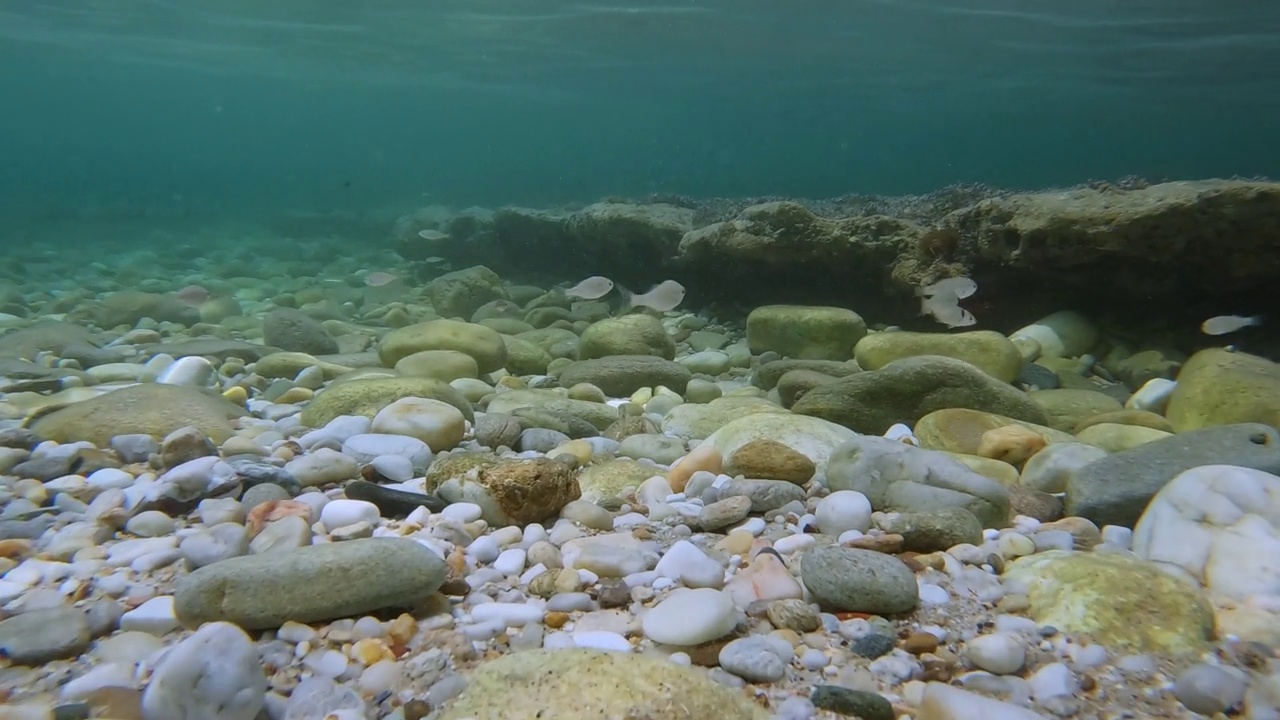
193 296
378 279
593 288
1224 324
961 287
664 296
432 235
945 308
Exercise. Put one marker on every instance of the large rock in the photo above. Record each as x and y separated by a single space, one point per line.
40 636
805 332
692 421
898 477
811 437
369 396
1115 490
295 331
908 389
509 492
844 579
146 409
1217 387
460 293
1104 237
766 376
635 334
1219 526
310 584
599 415
621 375
540 684
1124 603
960 430
986 350
483 344
127 307
215 673
1067 408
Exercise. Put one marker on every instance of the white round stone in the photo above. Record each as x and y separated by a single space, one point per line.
343 512
843 510
438 424
691 617
997 653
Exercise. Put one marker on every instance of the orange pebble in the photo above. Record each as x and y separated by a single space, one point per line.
273 510
704 457
1013 444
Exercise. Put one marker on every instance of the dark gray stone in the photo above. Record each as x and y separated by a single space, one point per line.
1115 490
854 580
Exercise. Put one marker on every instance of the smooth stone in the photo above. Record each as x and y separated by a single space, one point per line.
41 636
689 617
861 704
855 580
689 565
344 512
1209 689
943 702
310 584
391 502
757 658
997 653
215 673
843 510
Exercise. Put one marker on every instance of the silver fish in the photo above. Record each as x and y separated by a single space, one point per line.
961 287
945 308
432 235
664 296
593 288
1224 324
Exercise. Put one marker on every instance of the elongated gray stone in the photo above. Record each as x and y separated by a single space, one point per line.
310 584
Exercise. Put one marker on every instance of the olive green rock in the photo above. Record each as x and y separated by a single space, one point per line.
367 397
1121 602
695 422
793 385
148 409
446 365
986 350
289 364
540 416
554 340
1217 387
461 292
603 483
310 584
805 332
621 375
959 430
906 390
626 335
577 683
598 414
768 375
483 344
524 357
1067 407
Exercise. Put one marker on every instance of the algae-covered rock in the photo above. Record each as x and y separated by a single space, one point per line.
524 357
986 350
1218 387
483 344
1067 408
695 422
627 335
768 375
805 332
621 375
292 330
509 492
445 365
960 430
908 389
1123 603
148 409
460 293
367 397
542 684
603 483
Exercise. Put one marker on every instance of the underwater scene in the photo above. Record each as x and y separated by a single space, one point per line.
631 360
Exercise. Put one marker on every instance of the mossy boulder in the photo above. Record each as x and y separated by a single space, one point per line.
150 409
805 332
524 357
1067 407
986 350
603 483
368 396
446 365
908 389
627 335
459 294
483 344
1218 387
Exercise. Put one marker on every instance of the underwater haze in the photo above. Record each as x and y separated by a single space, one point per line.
239 108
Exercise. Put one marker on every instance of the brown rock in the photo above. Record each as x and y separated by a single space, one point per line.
793 614
703 457
1013 444
514 491
890 543
765 459
1034 504
919 643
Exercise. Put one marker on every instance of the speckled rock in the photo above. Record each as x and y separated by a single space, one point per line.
294 331
850 579
810 437
603 483
462 292
510 491
927 531
587 683
1124 603
768 459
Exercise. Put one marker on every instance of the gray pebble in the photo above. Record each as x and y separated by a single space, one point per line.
757 658
220 542
258 494
40 636
1209 689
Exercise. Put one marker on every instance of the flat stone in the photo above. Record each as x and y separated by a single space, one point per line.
41 636
310 584
850 579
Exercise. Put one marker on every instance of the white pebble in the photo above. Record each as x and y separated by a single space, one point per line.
997 653
341 513
691 617
510 562
931 594
155 616
794 543
601 640
507 614
484 549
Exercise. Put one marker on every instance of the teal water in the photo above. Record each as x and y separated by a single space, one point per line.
236 108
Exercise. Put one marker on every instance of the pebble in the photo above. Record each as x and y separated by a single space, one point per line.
842 511
861 704
997 653
214 673
1209 689
341 513
757 658
691 617
686 563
